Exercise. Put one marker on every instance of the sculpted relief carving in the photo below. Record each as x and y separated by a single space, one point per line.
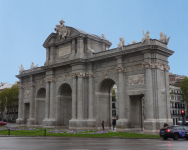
136 79
156 65
27 93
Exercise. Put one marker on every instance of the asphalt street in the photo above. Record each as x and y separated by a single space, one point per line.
72 143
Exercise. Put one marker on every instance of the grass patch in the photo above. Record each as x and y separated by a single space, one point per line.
71 133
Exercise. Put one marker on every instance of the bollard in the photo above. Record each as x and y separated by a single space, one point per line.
8 131
44 132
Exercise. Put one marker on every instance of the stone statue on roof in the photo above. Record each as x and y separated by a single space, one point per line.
163 38
32 66
62 30
21 69
121 43
147 36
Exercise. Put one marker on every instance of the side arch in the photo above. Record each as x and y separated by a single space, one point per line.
104 103
40 106
64 105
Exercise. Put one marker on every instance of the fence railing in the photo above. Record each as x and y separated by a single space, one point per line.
22 131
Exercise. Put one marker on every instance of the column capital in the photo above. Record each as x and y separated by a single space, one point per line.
120 69
31 84
157 65
90 74
73 75
20 86
80 74
50 79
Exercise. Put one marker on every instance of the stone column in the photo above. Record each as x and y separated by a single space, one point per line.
149 94
58 105
122 117
53 54
90 108
47 102
80 47
73 47
80 97
20 105
31 119
103 47
73 75
48 54
52 99
121 92
52 102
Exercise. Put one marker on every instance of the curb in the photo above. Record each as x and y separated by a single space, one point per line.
77 137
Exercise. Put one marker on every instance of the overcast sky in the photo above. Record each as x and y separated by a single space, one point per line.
25 25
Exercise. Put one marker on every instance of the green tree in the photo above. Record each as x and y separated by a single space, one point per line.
184 89
9 99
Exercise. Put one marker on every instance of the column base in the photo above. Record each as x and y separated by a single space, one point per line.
49 122
19 121
31 121
91 123
153 125
77 124
121 124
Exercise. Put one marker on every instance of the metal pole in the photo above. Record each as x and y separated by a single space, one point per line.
44 132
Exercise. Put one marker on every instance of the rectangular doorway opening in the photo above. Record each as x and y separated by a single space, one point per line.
27 109
136 115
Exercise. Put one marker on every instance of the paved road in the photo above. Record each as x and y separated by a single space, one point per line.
55 143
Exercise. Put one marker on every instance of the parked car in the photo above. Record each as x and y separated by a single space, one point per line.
2 123
175 132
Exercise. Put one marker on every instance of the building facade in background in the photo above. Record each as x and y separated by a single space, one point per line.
176 102
74 87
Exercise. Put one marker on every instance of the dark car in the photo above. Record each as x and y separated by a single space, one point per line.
2 123
174 132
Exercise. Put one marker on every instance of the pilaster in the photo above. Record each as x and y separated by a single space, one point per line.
49 105
80 47
122 118
20 105
31 120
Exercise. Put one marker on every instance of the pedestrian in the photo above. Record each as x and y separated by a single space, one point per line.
165 124
102 125
114 123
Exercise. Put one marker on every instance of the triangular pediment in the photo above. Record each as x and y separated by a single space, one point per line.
53 38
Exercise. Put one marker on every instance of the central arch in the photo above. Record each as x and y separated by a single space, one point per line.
65 104
105 102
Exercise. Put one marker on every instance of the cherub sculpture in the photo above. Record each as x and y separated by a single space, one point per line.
133 42
121 43
163 38
147 36
62 30
32 66
21 69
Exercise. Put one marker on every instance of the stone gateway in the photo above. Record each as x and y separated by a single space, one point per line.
74 87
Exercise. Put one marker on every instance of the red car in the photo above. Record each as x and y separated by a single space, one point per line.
2 123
